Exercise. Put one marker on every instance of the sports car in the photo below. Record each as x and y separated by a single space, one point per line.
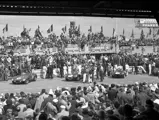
24 78
118 73
71 77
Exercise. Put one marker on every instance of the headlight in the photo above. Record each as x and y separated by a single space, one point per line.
23 79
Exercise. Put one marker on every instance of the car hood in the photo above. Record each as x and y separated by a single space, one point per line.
20 77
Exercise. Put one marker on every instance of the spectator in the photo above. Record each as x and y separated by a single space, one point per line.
116 108
21 109
85 113
150 112
29 111
62 113
9 107
128 112
112 93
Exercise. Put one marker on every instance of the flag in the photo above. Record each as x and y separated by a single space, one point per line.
113 32
158 32
65 28
79 28
51 28
90 29
123 32
101 29
150 31
48 31
5 29
132 34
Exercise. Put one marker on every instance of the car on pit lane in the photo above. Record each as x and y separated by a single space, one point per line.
24 78
118 73
75 77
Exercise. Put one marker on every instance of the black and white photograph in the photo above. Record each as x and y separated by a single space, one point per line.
79 60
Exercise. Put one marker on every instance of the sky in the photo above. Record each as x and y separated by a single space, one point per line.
16 23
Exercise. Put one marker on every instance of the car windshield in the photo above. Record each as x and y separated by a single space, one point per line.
23 73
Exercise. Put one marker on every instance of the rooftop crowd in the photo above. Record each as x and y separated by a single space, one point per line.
74 35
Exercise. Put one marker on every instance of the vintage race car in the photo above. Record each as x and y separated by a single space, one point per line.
24 78
71 77
119 73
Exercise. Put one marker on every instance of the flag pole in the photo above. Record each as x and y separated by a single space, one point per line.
116 35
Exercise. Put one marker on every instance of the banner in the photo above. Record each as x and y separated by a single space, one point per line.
104 48
146 23
21 50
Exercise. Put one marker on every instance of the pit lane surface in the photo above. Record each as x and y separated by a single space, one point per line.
7 86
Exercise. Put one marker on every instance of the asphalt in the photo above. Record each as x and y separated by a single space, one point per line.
7 86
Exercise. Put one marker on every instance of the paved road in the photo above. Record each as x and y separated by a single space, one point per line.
53 83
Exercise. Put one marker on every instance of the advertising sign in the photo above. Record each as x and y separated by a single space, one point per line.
105 48
72 49
146 23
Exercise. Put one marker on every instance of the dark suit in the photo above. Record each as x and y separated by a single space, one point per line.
112 94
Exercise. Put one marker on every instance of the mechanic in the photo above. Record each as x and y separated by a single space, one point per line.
84 72
101 72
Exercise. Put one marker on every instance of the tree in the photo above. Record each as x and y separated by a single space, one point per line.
142 36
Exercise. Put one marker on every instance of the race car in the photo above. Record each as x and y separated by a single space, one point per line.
24 78
118 73
71 77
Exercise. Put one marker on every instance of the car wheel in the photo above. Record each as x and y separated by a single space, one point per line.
123 76
35 78
78 78
27 81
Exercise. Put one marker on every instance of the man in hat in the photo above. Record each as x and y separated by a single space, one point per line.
40 99
62 113
48 99
112 93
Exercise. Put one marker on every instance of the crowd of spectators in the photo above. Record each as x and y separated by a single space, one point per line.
14 65
139 101
139 42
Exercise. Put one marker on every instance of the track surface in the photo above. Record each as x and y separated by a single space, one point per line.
7 86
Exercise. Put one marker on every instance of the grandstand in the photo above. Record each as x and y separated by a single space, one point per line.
112 8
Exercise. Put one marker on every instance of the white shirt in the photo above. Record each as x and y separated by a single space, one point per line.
9 59
69 70
79 69
127 67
